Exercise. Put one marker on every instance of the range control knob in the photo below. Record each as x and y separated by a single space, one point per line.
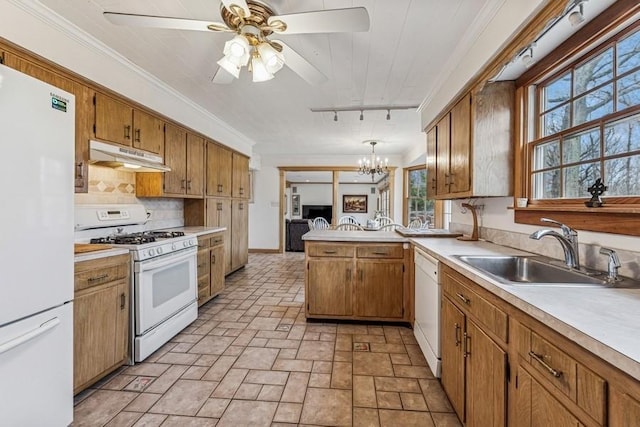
152 252
184 243
159 251
174 246
190 242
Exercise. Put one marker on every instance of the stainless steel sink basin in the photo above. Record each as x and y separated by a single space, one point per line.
537 270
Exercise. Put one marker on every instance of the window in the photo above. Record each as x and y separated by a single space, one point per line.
416 203
587 124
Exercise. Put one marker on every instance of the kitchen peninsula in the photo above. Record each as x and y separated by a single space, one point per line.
358 275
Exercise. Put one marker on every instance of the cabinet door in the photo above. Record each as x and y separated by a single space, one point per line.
95 324
240 176
239 234
175 181
379 288
485 379
217 269
219 215
443 138
460 155
219 163
329 286
195 165
536 407
452 328
113 120
148 132
122 322
624 411
431 163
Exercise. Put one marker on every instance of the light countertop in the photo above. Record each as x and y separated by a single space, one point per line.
197 230
602 320
100 254
354 236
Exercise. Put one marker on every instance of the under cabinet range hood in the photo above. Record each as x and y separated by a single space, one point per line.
125 158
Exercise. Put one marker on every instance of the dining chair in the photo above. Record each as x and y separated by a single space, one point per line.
320 223
391 226
312 225
345 226
415 224
347 219
384 220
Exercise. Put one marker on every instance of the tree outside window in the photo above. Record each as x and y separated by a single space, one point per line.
417 204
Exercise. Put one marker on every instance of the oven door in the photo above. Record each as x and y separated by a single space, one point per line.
163 286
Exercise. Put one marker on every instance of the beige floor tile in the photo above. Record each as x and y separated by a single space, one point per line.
341 375
166 380
343 356
288 412
294 391
276 343
271 393
264 324
178 358
434 395
206 360
180 421
441 419
293 365
139 383
212 345
258 342
400 359
248 391
343 342
230 383
322 367
369 338
391 418
320 380
389 400
143 402
364 417
412 371
124 419
101 407
194 373
413 402
233 350
256 358
316 350
345 328
214 407
377 364
219 368
250 414
296 332
312 336
364 392
388 348
407 385
149 420
329 407
147 369
266 377
288 353
118 382
185 397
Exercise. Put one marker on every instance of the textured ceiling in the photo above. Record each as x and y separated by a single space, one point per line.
395 63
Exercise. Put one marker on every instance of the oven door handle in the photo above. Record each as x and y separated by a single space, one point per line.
168 259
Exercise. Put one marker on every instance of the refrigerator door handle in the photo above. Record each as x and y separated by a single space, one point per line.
44 327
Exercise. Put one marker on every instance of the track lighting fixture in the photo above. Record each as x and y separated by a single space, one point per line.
527 56
387 108
577 16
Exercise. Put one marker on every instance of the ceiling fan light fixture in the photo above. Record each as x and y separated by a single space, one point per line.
259 70
272 59
229 66
238 50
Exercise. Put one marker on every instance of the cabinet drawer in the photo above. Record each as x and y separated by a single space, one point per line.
217 240
203 283
203 242
203 294
380 251
331 250
203 262
99 271
489 315
579 383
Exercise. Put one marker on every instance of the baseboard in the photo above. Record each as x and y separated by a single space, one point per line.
264 251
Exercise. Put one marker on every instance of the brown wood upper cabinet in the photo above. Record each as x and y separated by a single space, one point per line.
469 149
119 122
219 167
240 180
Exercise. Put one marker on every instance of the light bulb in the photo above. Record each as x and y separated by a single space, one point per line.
237 50
272 59
259 70
229 66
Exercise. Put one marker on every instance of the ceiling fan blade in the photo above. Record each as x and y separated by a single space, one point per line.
163 22
240 3
301 66
324 21
222 77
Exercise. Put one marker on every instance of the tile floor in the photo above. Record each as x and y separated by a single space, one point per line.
251 359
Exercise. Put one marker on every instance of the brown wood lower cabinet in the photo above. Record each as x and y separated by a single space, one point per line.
501 367
211 266
367 281
100 318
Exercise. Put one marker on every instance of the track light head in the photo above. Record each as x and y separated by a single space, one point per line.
361 115
388 114
335 116
577 16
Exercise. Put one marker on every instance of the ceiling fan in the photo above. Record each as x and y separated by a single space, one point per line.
254 22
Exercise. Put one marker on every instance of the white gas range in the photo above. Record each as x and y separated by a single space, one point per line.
164 271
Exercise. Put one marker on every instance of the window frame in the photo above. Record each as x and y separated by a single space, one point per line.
438 211
619 214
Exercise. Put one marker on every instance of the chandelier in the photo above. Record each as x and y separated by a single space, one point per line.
372 165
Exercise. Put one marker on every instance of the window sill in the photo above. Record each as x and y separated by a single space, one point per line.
621 219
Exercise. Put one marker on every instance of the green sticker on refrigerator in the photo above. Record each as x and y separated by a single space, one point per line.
58 104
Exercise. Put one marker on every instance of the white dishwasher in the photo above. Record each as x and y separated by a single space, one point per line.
427 311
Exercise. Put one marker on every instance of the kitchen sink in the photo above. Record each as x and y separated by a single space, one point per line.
539 270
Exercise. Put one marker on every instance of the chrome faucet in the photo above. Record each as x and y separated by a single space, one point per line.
613 264
568 239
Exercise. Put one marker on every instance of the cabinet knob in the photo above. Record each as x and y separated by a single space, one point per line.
123 300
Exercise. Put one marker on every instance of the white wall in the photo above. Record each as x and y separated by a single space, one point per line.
314 194
359 189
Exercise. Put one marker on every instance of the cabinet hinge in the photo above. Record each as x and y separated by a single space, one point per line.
516 382
94 128
403 268
94 99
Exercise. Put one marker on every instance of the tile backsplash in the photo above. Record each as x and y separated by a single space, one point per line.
589 253
110 186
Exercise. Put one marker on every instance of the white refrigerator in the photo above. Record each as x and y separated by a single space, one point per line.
37 128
